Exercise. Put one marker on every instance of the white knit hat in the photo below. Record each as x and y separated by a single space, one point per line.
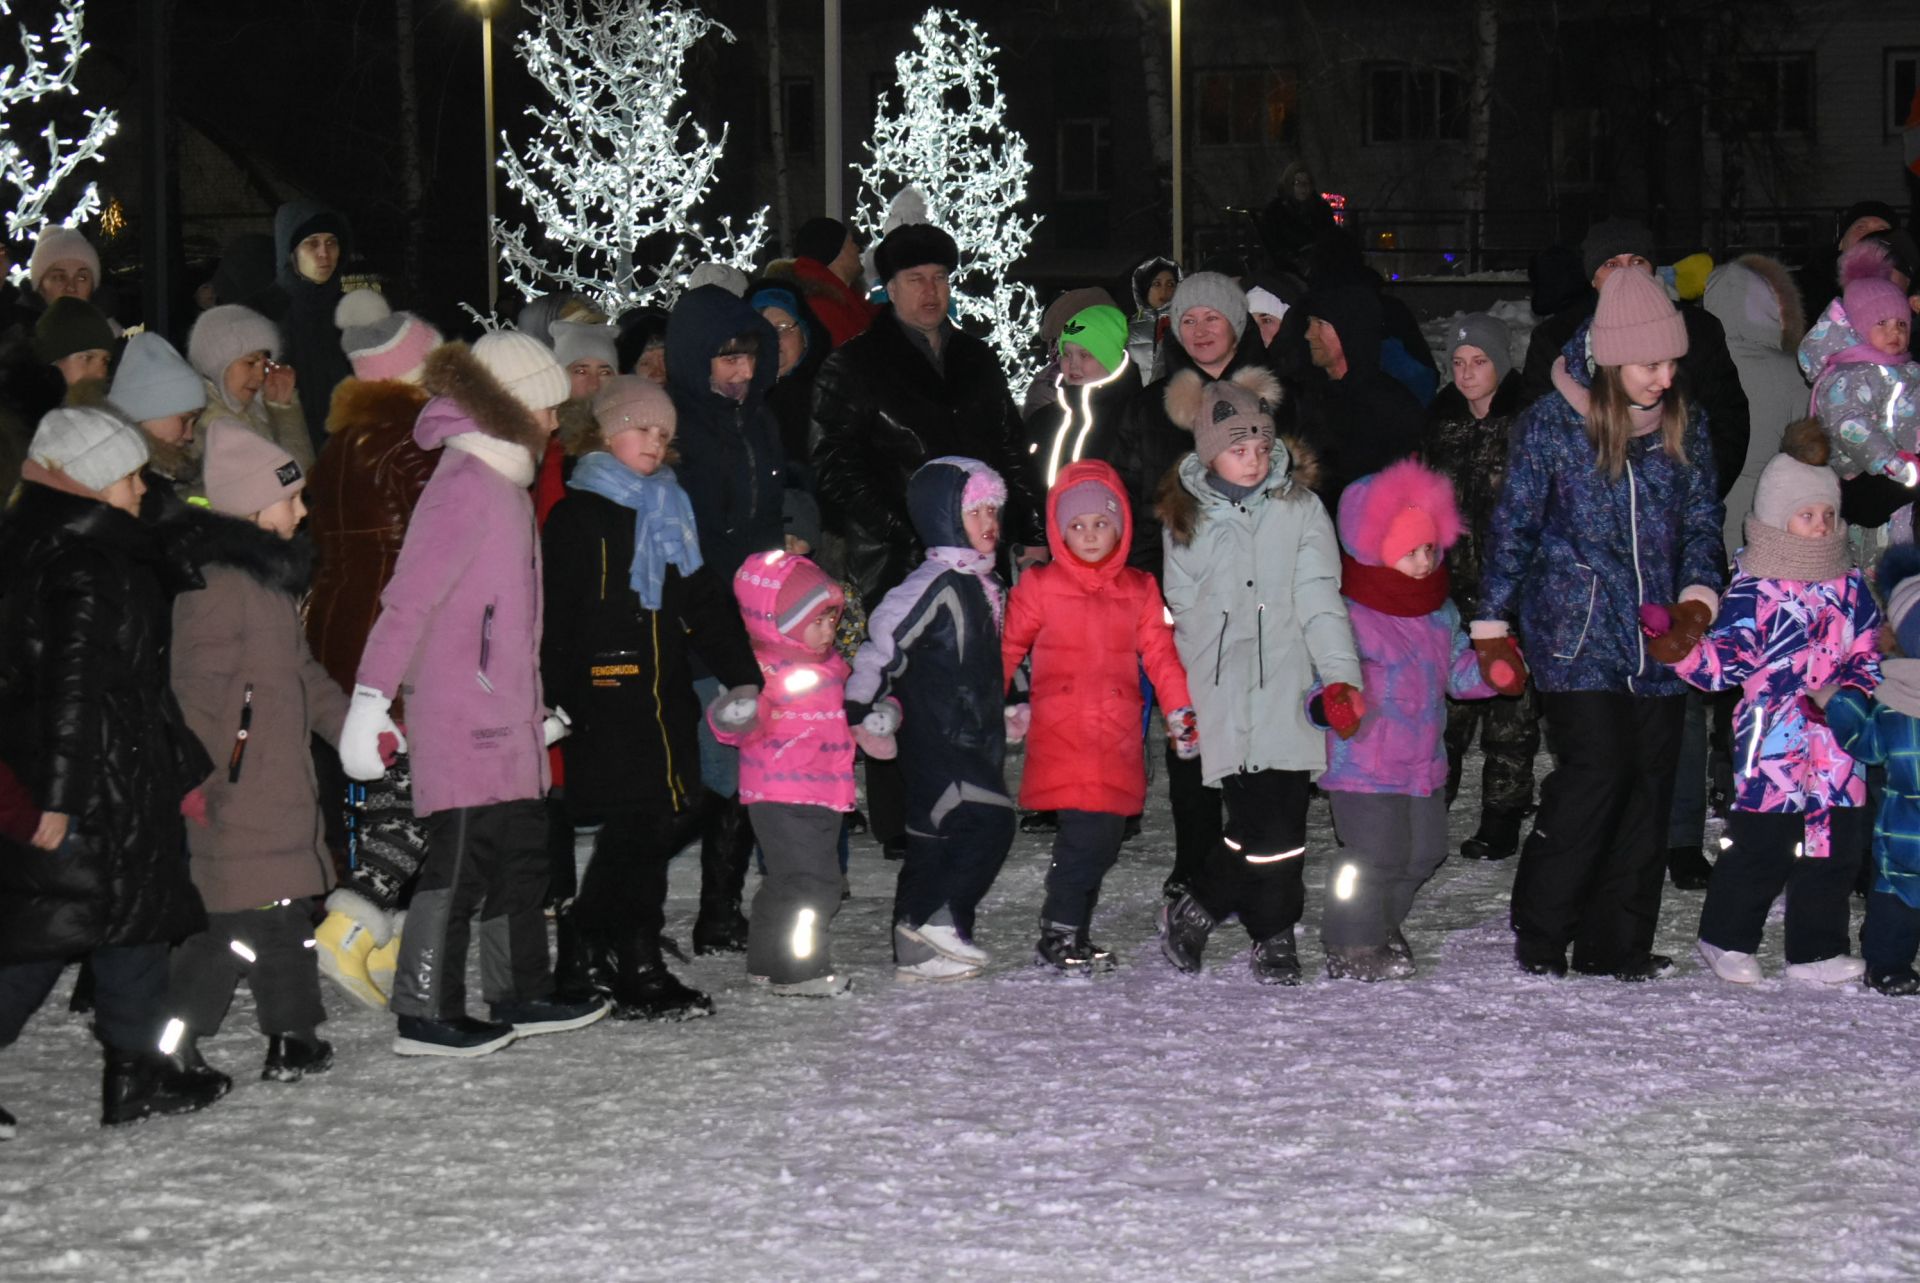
58 243
154 381
226 333
90 446
579 341
524 367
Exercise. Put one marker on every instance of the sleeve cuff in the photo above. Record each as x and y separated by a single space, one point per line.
1484 629
1705 596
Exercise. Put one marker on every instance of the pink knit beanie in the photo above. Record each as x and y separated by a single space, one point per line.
1871 301
392 347
1086 498
1635 323
245 472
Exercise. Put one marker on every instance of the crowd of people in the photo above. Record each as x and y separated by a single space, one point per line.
321 642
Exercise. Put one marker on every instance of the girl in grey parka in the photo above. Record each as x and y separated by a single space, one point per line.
1252 581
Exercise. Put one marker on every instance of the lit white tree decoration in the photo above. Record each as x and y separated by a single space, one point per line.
27 82
613 169
950 140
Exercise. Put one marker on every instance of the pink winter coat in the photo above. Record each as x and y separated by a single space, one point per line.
1089 627
800 750
459 626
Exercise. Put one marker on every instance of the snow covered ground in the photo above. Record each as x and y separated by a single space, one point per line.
1471 1124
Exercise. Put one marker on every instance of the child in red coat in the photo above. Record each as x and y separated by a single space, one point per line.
1090 621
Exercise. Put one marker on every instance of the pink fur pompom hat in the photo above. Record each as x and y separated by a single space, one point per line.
1387 515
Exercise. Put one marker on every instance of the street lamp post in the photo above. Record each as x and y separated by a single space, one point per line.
1179 188
486 68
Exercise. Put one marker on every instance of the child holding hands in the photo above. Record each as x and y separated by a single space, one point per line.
1090 621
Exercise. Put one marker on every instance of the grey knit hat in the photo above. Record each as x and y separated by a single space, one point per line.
90 446
154 381
226 333
1487 332
1211 289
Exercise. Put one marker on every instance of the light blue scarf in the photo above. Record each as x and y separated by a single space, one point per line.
663 531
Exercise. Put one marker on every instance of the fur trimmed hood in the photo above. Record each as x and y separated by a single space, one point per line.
361 401
283 565
1756 301
467 398
1296 472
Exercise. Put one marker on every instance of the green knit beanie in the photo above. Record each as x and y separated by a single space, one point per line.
70 325
1102 331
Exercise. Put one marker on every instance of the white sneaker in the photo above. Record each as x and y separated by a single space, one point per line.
946 942
1731 965
1837 970
936 969
834 984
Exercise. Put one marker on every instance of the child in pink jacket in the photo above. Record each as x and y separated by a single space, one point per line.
796 765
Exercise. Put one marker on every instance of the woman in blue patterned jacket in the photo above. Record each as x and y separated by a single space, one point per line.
1606 551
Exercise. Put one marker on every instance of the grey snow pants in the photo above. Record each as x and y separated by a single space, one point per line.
787 937
1392 843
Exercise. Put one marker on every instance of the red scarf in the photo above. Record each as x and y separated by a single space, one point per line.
1386 590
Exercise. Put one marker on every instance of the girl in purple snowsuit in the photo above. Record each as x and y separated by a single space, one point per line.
1796 623
1388 782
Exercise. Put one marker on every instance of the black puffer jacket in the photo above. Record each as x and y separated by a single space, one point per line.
731 463
622 672
1473 454
880 410
1366 419
89 722
1150 443
1707 375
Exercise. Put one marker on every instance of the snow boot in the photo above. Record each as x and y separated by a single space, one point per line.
944 939
1099 958
1540 964
645 990
1652 966
856 821
834 984
550 1015
1903 983
1184 928
1497 837
291 1057
1837 970
145 1084
461 1037
346 939
726 848
935 969
1059 948
1730 964
1688 867
1365 963
1402 954
580 970
1275 961
1040 822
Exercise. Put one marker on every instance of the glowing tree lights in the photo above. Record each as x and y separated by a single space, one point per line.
32 78
615 173
949 139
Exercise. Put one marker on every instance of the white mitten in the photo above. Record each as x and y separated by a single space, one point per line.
367 720
737 710
1019 718
556 727
884 719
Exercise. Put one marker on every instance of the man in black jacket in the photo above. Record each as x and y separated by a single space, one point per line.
1707 374
912 388
1355 415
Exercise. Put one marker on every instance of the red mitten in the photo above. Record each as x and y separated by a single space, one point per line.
1344 707
194 806
1501 664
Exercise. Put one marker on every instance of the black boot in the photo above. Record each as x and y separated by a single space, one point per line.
1099 957
291 1057
146 1084
1275 960
726 845
1497 838
1060 949
643 988
579 970
1688 867
1040 822
1184 928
